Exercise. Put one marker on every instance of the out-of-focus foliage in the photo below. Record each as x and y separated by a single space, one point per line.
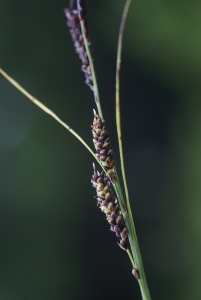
55 243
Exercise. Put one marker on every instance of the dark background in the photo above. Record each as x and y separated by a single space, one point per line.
54 241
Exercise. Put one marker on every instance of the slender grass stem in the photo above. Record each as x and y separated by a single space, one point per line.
96 92
133 243
118 114
47 110
131 258
128 218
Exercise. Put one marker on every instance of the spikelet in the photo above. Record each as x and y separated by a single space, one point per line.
76 34
109 205
136 273
103 146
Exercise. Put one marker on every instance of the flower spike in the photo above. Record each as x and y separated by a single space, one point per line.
76 34
103 146
109 205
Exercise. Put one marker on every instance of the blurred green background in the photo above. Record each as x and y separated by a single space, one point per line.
54 241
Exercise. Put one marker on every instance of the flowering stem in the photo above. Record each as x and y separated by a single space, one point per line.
118 116
127 214
128 217
95 85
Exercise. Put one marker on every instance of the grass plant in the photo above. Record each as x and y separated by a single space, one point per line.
113 204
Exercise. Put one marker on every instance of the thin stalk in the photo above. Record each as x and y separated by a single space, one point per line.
46 110
131 258
118 113
128 218
133 243
96 92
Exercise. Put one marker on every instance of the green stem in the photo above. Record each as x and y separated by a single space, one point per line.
47 110
95 85
133 243
128 216
118 111
131 258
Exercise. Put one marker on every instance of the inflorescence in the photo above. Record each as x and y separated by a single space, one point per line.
73 23
109 205
103 146
101 181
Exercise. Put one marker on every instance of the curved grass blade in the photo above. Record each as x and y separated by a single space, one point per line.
46 110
